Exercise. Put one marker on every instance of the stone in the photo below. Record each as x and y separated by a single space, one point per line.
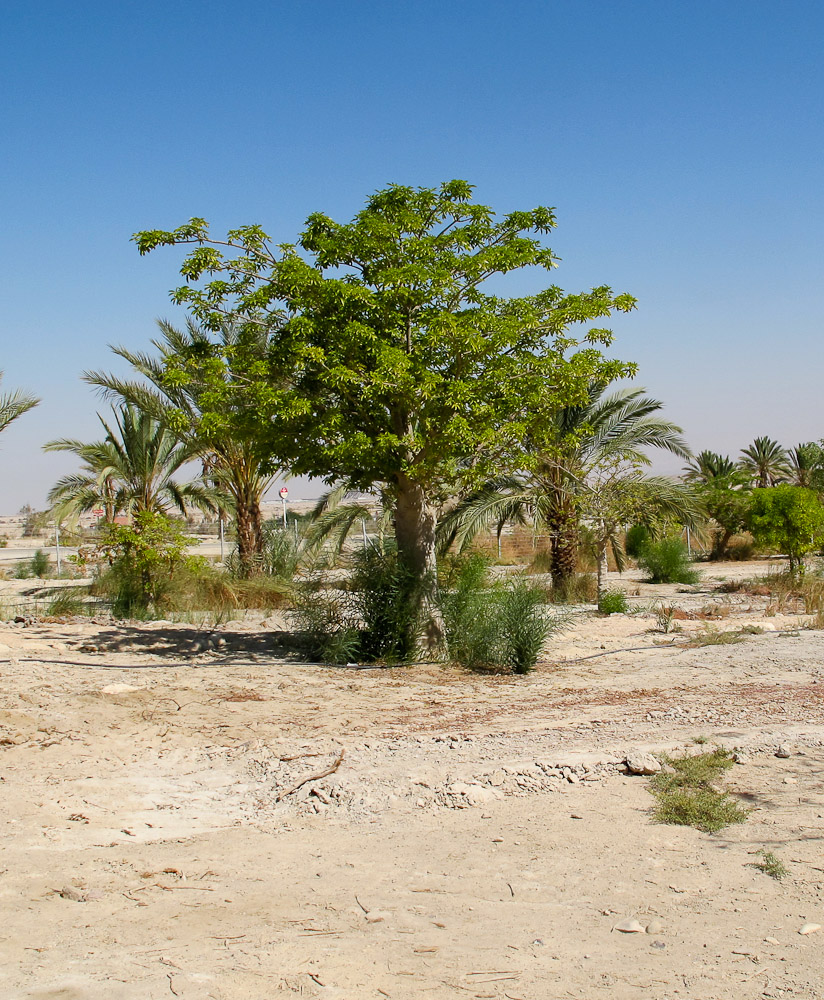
376 916
809 928
119 688
771 940
630 927
783 752
740 757
642 763
790 781
474 794
68 892
654 927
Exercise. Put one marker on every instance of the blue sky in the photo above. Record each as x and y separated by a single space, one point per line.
680 142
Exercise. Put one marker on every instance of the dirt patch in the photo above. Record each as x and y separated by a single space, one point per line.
223 822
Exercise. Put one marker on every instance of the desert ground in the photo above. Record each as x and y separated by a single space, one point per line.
193 812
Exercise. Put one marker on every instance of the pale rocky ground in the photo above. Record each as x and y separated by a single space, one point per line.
479 837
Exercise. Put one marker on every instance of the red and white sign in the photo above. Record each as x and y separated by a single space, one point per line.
284 493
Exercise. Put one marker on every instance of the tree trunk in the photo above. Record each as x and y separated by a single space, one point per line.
719 543
602 568
249 534
415 523
563 547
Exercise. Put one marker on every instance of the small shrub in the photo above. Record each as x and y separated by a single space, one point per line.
523 626
770 864
665 615
636 540
494 627
143 558
686 795
612 602
373 620
4 541
40 565
667 561
325 619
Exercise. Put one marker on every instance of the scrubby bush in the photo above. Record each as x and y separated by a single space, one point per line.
38 566
636 539
142 561
371 620
612 602
667 561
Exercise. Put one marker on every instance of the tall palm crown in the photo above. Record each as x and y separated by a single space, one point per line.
607 432
128 471
807 465
235 465
708 466
14 405
766 462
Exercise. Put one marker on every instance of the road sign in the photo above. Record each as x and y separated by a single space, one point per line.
284 493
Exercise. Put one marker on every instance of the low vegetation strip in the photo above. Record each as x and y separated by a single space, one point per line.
686 794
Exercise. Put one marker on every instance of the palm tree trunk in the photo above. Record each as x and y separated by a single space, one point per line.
249 534
563 547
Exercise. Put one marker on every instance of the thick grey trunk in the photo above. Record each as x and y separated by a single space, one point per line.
415 523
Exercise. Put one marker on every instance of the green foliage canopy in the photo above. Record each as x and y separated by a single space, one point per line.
386 358
790 518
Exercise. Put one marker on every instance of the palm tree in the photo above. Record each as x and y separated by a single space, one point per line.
603 439
129 471
707 466
234 464
766 462
807 465
14 405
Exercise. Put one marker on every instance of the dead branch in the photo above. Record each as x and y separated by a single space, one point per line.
312 777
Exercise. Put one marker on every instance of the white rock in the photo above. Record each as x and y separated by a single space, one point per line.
630 927
119 688
474 794
809 928
783 752
654 927
642 763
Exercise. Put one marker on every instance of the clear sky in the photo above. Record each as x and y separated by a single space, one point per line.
681 142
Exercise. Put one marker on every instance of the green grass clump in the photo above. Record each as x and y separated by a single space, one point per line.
613 602
713 637
686 795
770 864
67 604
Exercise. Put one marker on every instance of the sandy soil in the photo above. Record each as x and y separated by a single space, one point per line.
479 836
